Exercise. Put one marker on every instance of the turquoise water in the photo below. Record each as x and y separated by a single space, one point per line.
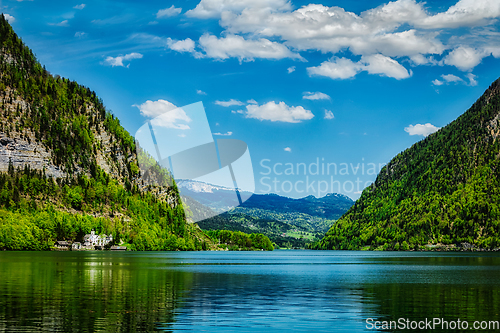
279 291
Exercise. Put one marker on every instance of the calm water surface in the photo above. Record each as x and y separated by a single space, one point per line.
280 291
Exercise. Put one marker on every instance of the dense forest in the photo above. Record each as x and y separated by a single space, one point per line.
237 240
98 183
289 223
443 192
282 234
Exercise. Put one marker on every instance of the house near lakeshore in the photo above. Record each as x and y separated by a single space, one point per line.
62 245
91 241
95 241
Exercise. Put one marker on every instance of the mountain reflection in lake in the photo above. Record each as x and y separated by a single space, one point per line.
302 291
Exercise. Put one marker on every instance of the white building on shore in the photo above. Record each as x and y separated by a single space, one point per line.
93 240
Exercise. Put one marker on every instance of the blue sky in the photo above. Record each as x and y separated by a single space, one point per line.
342 82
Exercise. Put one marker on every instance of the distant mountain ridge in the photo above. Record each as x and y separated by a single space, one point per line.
331 206
443 192
200 187
286 221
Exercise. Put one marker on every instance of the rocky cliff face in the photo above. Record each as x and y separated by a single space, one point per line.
20 146
21 152
44 119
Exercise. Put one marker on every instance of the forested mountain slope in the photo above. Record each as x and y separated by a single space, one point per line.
288 222
443 191
68 166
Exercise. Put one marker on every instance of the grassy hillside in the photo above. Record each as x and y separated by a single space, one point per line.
443 191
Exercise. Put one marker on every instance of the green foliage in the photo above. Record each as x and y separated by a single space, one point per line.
289 223
237 240
444 190
35 211
283 234
62 114
73 125
311 210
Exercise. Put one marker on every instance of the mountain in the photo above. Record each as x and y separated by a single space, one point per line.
443 192
331 206
218 198
286 221
68 166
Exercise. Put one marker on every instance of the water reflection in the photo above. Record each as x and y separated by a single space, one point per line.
300 291
66 292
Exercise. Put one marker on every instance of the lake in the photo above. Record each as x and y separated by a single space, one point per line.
279 291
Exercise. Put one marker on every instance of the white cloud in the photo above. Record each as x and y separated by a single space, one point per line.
200 92
9 18
315 96
152 109
182 135
464 58
420 59
494 50
472 79
168 12
420 129
398 44
214 8
278 112
331 29
252 101
233 46
186 45
224 134
80 34
451 78
343 68
288 149
231 102
384 36
63 23
118 61
463 13
384 66
81 6
164 114
336 68
329 114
